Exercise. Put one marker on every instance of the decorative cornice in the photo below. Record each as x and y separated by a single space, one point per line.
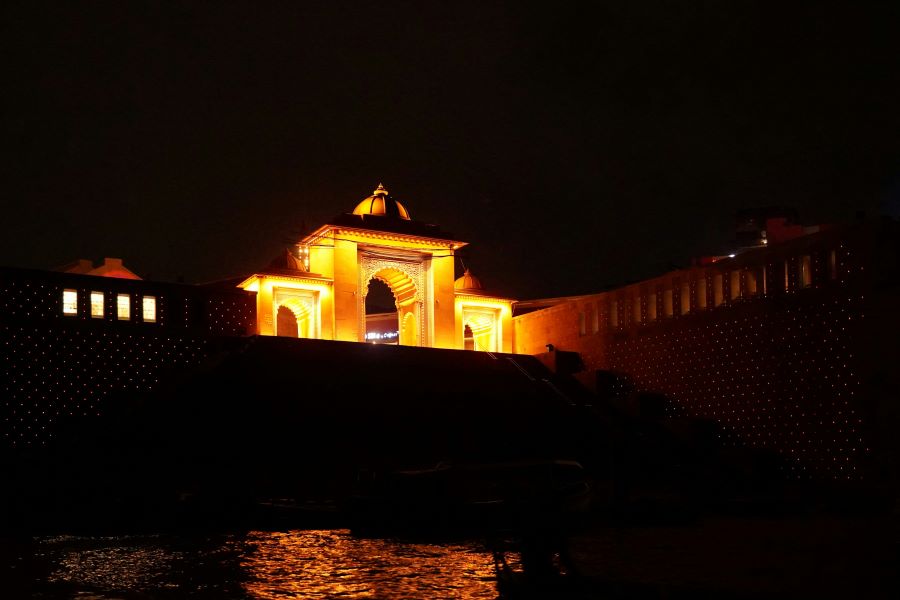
438 243
293 278
471 296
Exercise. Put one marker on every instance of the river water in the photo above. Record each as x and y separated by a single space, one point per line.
296 564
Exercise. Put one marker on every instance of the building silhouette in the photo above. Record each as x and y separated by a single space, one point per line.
788 344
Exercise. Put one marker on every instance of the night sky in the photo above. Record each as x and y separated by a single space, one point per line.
574 146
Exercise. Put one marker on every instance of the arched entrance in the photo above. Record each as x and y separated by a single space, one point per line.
286 323
406 280
481 330
409 331
382 324
406 300
298 308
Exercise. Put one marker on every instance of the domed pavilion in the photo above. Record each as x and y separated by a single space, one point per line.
318 288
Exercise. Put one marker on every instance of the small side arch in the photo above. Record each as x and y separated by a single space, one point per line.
409 334
481 330
286 323
302 314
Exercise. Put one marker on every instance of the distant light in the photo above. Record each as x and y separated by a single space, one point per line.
389 335
731 256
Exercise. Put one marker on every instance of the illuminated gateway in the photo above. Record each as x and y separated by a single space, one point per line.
788 343
318 288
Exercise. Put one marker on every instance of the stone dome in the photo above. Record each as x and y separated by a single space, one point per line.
382 205
468 283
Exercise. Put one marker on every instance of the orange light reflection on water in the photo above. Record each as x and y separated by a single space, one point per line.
296 564
328 564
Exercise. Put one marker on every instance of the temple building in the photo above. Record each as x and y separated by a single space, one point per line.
318 288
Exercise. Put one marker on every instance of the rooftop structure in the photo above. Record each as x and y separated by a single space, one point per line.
110 267
318 288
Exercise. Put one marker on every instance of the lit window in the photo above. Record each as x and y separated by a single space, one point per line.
734 285
70 302
750 282
805 272
581 324
636 309
755 281
595 319
832 264
614 313
149 305
718 292
651 306
685 298
97 305
123 307
787 275
668 310
701 292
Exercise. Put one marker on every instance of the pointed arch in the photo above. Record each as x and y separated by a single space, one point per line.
409 334
303 313
407 300
484 327
286 323
401 283
406 274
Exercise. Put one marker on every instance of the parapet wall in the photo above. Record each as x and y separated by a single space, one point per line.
781 346
59 364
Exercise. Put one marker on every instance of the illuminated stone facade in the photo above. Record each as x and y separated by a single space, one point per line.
324 281
789 348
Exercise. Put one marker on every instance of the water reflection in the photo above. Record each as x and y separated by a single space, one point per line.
299 564
325 564
112 563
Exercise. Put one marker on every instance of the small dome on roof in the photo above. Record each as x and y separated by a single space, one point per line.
287 260
382 205
468 282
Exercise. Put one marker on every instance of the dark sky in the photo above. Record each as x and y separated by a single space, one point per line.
574 146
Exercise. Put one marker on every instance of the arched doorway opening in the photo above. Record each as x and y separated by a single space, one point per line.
382 325
409 332
294 317
481 330
406 302
286 323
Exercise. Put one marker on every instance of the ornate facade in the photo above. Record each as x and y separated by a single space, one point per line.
319 288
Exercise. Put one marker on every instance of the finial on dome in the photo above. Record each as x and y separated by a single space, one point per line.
382 205
468 282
